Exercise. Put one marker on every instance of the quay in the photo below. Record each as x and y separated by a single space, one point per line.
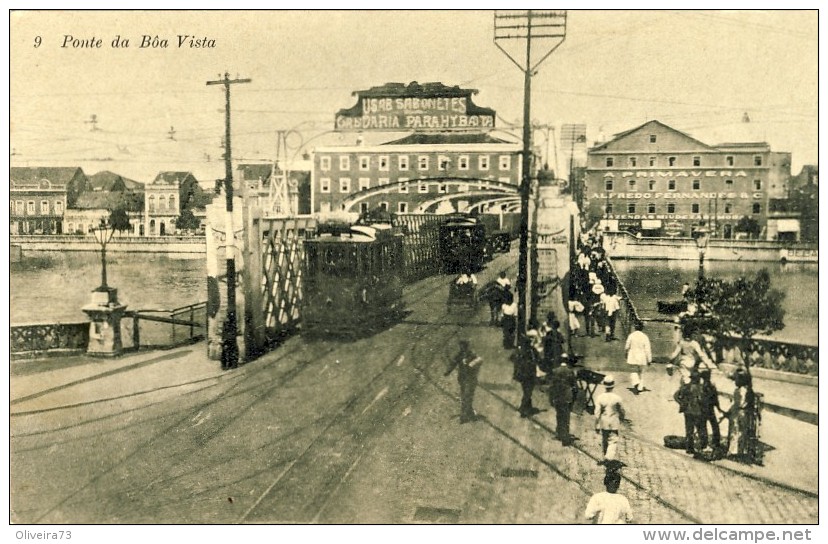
119 244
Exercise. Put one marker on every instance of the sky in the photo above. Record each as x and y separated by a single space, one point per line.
698 71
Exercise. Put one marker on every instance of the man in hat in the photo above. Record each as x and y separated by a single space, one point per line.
639 355
467 364
594 309
611 304
561 395
524 363
609 413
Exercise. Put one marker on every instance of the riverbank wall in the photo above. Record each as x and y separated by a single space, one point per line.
119 244
623 245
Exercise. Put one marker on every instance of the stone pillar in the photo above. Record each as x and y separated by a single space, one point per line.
217 245
552 228
105 313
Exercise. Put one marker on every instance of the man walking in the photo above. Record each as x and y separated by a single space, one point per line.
639 355
609 413
561 396
468 368
611 307
525 373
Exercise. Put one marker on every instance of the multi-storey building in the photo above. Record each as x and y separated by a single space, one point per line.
421 172
162 202
659 181
38 197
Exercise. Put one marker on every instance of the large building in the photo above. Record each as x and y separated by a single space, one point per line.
39 197
162 202
659 181
448 161
421 172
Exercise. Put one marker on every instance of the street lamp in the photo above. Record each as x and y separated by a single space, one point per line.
702 236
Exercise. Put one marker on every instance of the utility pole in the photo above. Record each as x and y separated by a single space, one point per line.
229 347
529 25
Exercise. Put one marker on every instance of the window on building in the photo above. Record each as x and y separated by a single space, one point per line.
671 208
696 184
344 185
728 208
757 184
631 207
442 162
729 160
608 208
11 207
422 162
728 183
20 206
442 188
608 184
422 187
363 207
404 185
151 202
44 207
651 185
652 138
694 208
671 161
505 162
364 183
631 184
171 201
324 163
162 202
651 208
633 161
463 162
696 160
345 162
671 185
402 162
383 206
364 163
757 160
652 161
383 181
610 161
463 187
402 207
483 162
383 163
325 185
757 208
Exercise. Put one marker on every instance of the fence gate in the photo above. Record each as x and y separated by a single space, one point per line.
273 278
420 244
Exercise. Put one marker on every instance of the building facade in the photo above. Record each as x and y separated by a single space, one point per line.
276 191
162 202
38 198
419 173
658 181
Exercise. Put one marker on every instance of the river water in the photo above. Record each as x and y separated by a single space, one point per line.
58 284
651 281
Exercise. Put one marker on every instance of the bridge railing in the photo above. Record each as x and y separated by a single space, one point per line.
164 329
628 315
39 339
768 354
420 244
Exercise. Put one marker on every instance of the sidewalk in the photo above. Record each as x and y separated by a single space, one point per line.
792 445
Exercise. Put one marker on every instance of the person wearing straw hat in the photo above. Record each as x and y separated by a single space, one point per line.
593 308
609 413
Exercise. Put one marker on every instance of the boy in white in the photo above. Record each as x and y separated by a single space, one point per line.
608 507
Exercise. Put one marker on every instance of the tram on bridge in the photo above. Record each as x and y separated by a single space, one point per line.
352 279
462 244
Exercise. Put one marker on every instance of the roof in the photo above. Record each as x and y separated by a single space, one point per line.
621 135
105 180
255 171
171 178
415 89
107 200
420 138
55 174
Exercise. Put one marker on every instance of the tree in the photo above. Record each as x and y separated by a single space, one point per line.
742 307
118 220
187 220
748 225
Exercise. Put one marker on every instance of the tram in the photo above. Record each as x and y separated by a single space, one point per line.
352 281
462 244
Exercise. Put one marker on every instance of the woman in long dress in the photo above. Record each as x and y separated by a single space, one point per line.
741 434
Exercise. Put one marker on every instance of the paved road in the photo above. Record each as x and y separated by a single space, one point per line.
337 432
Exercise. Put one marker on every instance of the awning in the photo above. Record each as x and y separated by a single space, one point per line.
650 224
787 225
